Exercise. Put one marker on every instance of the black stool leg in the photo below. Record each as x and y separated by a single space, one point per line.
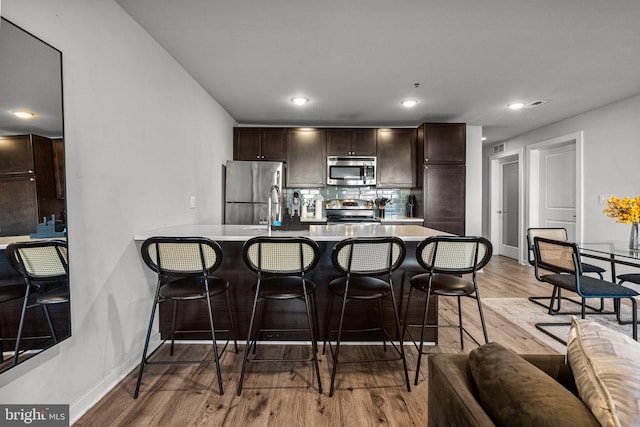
233 324
328 324
50 323
21 325
484 326
173 325
248 345
143 360
424 324
336 355
401 343
460 323
216 356
314 344
381 320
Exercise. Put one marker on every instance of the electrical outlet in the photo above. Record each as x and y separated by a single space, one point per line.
192 202
602 199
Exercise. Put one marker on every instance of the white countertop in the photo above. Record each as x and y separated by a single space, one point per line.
391 218
329 233
4 241
394 218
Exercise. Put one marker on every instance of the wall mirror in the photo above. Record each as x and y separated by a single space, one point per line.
32 190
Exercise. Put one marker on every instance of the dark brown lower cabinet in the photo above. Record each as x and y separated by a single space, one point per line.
444 198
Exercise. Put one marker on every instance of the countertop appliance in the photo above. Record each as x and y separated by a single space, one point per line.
351 170
247 189
350 210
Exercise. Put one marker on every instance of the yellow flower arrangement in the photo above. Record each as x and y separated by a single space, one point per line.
626 210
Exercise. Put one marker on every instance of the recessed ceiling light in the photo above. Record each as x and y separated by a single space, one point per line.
409 103
23 114
299 100
515 105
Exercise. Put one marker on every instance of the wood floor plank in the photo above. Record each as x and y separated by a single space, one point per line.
366 394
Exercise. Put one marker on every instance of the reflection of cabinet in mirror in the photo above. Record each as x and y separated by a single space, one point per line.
29 183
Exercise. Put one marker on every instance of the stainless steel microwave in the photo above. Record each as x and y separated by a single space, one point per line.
351 170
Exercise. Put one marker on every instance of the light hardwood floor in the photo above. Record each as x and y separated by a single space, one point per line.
365 395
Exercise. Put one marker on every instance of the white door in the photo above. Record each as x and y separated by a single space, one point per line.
509 211
557 188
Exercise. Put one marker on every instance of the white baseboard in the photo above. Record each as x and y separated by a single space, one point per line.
80 407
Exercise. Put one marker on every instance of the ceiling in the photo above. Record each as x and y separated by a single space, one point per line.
30 80
357 59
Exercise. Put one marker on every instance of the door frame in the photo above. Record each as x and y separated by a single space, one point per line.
495 164
533 167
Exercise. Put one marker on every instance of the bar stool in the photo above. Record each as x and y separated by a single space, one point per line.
41 263
185 267
445 259
366 265
282 264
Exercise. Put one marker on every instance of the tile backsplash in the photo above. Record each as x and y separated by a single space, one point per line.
397 206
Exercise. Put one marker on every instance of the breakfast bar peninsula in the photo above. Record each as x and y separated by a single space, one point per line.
232 237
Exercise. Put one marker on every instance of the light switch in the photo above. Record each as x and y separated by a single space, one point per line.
602 199
192 202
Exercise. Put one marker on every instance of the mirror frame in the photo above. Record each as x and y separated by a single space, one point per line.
54 133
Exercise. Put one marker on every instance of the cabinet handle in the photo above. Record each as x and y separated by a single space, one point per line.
31 179
426 160
257 157
30 171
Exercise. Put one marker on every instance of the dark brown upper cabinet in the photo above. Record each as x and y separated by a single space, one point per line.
255 143
396 167
443 143
306 158
351 142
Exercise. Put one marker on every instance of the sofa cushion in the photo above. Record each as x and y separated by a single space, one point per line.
516 393
606 369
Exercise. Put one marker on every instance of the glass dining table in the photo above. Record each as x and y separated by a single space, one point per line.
616 253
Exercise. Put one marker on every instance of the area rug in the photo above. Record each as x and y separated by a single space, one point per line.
525 314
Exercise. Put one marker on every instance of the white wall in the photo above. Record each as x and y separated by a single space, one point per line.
141 137
610 161
473 201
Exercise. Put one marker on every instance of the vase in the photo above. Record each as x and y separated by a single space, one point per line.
633 237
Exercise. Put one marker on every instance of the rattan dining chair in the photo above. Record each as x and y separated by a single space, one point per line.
281 265
366 265
556 295
184 267
562 259
44 267
445 259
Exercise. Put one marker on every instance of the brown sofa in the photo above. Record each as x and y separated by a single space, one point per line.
455 398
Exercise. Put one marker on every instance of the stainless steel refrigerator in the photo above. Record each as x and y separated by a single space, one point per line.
247 186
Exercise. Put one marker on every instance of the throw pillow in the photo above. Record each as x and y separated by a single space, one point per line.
606 369
514 392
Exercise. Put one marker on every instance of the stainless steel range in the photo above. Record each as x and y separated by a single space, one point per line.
350 210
